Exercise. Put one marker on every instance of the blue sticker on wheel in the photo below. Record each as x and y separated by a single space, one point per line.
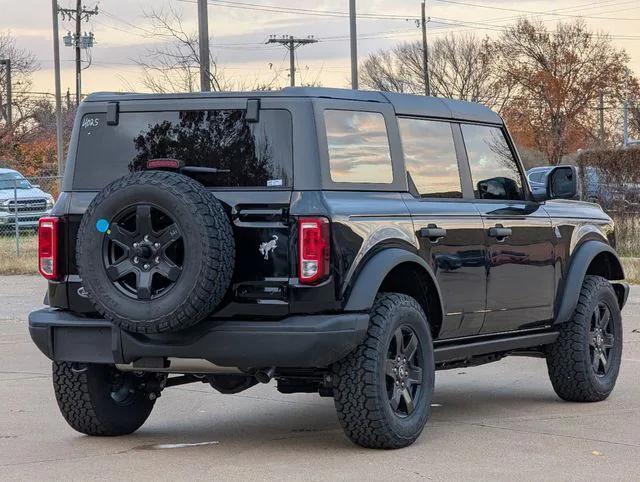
102 225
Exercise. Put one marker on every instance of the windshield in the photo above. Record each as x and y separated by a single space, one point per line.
11 180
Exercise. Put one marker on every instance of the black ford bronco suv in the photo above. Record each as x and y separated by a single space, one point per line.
342 242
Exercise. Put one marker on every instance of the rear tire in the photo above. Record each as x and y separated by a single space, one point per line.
584 361
371 384
93 404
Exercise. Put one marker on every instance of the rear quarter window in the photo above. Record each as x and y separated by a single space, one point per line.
247 155
358 147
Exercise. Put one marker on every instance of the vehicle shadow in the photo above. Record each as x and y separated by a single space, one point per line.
308 423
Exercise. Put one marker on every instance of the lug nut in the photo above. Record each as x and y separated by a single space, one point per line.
135 245
146 266
146 237
157 260
156 245
135 260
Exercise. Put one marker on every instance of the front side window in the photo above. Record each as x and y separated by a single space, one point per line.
494 170
245 154
430 157
358 147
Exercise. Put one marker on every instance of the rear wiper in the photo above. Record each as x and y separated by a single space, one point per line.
178 165
203 170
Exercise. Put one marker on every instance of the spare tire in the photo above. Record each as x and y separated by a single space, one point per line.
155 252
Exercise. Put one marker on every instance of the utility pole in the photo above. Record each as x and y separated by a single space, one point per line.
601 118
291 44
425 51
78 58
78 41
203 42
56 66
353 35
7 65
626 141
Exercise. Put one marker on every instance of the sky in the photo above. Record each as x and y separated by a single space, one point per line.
239 30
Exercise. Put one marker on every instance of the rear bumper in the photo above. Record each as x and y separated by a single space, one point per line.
296 341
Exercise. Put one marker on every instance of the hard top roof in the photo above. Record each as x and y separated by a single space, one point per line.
404 104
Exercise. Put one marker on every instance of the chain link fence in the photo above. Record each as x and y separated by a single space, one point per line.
23 201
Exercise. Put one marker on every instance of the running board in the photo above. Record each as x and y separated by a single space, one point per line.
456 350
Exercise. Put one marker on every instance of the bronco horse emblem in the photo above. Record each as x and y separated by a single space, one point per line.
266 248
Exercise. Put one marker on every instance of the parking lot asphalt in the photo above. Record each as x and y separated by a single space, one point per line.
495 422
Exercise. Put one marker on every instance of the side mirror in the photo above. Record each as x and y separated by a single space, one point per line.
562 183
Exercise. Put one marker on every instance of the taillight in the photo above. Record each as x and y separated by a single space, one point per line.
313 249
48 247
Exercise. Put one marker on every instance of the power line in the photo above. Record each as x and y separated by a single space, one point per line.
555 14
301 11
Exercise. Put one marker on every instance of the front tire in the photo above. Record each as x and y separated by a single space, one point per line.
383 389
100 400
584 361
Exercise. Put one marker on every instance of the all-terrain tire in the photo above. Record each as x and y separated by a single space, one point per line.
84 396
570 358
361 387
208 252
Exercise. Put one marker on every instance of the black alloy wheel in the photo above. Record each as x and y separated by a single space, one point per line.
601 339
143 252
403 371
155 251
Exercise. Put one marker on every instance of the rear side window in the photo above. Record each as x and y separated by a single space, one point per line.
494 170
251 155
430 157
358 147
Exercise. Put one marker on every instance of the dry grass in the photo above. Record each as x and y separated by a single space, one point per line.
26 263
627 234
631 270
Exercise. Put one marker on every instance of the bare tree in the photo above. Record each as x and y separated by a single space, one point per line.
558 77
461 67
173 66
23 64
383 71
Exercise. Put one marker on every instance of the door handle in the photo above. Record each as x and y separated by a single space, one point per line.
500 232
433 232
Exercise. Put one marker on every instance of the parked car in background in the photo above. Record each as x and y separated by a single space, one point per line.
537 178
19 198
593 186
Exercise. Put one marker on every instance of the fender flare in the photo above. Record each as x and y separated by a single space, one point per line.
374 272
578 267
